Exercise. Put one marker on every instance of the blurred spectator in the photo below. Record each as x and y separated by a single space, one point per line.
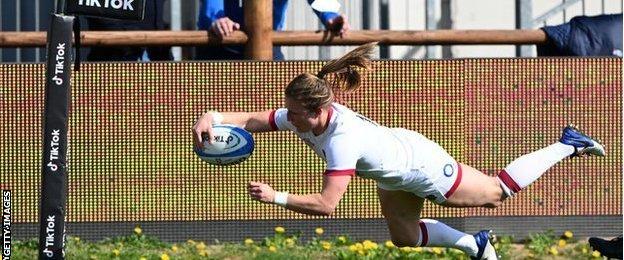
153 20
222 17
584 36
609 248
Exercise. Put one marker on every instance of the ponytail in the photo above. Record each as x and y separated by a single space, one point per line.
346 77
314 92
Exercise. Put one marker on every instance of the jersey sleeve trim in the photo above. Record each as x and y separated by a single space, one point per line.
350 172
272 121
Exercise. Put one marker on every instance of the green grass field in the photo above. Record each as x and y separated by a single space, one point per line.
287 245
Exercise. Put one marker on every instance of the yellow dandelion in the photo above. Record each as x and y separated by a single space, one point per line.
249 241
164 257
142 258
203 253
418 249
561 243
353 248
496 246
596 254
361 252
174 248
138 230
279 230
406 249
359 246
437 250
369 245
190 241
568 234
201 246
584 250
553 250
93 257
116 252
77 239
325 245
289 242
257 248
319 231
273 249
389 244
342 239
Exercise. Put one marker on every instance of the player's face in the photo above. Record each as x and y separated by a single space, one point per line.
301 118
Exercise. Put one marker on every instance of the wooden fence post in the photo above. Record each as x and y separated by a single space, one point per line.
259 28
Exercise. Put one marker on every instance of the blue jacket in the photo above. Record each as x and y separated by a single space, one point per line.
212 10
584 36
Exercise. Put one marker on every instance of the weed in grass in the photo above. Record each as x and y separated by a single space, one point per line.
540 244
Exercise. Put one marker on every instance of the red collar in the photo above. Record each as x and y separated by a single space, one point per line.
330 112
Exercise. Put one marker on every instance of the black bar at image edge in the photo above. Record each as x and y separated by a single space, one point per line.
54 172
7 236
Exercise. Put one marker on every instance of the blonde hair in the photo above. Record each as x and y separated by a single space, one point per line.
315 91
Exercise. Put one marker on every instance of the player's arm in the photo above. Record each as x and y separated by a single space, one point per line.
323 203
251 121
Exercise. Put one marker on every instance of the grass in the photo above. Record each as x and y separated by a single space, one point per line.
284 245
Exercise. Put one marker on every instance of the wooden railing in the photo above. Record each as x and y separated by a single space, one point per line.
260 37
286 38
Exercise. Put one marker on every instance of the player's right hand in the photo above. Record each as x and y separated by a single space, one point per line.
224 27
201 129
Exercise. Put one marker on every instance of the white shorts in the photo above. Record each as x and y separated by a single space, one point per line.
433 173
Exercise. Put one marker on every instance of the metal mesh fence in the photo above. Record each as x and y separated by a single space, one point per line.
130 149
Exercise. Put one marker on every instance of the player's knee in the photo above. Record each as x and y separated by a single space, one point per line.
405 241
497 196
494 196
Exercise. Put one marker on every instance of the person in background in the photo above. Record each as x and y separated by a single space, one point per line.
222 17
153 20
584 36
588 36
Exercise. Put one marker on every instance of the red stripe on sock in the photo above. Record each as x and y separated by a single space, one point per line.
423 233
456 183
272 121
508 181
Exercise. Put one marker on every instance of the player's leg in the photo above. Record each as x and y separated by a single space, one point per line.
402 212
478 189
526 169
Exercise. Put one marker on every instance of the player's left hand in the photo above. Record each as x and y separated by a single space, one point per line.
261 192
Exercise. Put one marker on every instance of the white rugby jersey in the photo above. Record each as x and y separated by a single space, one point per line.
354 144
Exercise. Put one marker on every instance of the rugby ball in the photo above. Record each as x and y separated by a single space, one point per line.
231 145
